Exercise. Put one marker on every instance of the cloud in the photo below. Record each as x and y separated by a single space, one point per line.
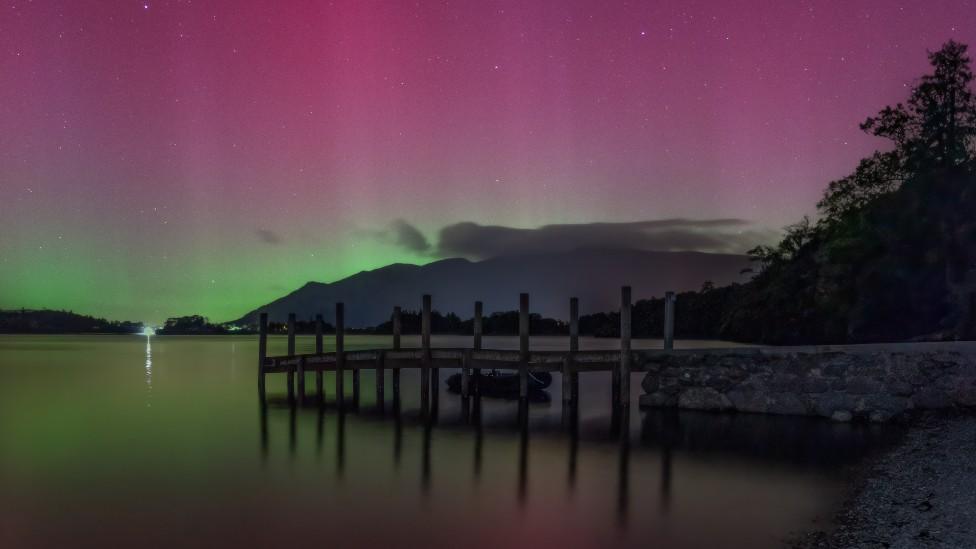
407 236
728 235
268 236
402 234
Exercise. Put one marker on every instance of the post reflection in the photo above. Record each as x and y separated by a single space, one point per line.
341 443
573 420
425 460
623 468
319 429
662 432
263 418
478 435
523 450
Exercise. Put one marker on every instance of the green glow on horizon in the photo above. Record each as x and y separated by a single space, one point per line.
221 284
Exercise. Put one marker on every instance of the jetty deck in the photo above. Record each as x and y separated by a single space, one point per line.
471 361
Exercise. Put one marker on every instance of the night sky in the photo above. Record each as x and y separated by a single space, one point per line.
162 158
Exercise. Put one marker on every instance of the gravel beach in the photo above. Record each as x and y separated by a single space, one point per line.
921 493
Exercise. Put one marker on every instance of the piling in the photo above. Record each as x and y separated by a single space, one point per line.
340 325
669 299
523 345
380 380
567 365
623 397
478 330
396 347
425 344
319 386
262 351
301 380
291 352
465 367
573 348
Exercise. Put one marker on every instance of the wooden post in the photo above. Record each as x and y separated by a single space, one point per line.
396 347
262 350
478 331
340 314
425 344
380 380
291 352
523 345
301 380
466 361
623 397
319 386
570 387
669 300
477 325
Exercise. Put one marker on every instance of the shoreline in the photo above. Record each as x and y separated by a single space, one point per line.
919 493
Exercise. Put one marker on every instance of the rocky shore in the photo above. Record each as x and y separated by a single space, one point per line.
874 383
921 494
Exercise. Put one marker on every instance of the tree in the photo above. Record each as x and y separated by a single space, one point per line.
935 129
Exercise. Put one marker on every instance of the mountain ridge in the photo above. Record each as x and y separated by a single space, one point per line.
592 275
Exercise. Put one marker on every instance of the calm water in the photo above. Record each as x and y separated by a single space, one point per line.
105 441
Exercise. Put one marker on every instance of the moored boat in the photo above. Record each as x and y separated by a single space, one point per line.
502 384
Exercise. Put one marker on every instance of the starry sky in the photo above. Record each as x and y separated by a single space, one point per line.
174 157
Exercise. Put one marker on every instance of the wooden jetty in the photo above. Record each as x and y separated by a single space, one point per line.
471 361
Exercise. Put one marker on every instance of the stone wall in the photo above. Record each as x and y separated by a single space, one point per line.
869 382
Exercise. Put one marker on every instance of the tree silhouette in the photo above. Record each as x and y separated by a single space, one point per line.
935 129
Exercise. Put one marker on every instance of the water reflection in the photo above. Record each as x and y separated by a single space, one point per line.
148 371
659 439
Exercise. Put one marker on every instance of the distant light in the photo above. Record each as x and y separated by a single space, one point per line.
148 331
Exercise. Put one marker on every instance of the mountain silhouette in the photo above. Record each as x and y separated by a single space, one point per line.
592 275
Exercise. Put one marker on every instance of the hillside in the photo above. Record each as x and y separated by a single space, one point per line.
595 276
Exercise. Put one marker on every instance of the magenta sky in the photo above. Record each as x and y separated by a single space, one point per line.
161 158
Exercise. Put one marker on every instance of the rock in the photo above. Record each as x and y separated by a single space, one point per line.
815 385
703 398
863 385
781 382
883 407
651 383
747 400
826 404
787 404
658 400
718 382
931 398
842 416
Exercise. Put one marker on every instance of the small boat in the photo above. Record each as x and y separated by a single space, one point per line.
501 384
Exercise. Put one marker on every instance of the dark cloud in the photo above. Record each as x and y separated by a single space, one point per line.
476 241
268 236
405 235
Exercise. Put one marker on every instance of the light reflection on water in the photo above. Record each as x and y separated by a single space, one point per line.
148 371
87 461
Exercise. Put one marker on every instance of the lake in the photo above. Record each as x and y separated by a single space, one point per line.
120 441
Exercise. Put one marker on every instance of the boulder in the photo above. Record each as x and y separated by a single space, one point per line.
703 398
